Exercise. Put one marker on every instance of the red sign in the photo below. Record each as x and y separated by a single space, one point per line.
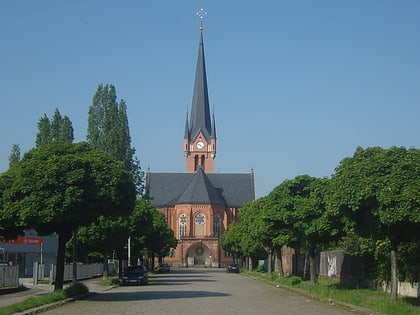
26 241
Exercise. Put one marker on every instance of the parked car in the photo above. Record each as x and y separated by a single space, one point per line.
134 275
164 268
232 268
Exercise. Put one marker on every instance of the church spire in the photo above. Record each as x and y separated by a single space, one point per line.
200 110
200 132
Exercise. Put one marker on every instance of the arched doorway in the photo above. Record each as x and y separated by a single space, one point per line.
199 255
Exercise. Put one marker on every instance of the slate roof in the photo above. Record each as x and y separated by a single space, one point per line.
170 189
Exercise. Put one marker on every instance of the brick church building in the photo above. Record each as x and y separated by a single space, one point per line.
199 204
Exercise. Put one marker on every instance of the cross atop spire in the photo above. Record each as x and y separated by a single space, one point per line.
201 14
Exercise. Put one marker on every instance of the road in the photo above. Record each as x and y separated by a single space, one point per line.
199 291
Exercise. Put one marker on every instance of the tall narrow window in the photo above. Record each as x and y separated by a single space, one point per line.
203 162
182 225
200 224
195 162
217 225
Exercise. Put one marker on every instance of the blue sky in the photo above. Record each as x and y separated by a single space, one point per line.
296 85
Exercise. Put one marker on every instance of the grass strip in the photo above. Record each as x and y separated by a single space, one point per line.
332 291
35 301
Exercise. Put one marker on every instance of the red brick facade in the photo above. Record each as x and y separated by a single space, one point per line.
198 229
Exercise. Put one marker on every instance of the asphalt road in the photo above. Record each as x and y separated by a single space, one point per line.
199 291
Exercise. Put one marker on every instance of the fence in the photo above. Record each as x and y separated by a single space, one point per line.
83 271
349 269
9 276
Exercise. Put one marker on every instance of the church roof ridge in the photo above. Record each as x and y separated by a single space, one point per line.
200 191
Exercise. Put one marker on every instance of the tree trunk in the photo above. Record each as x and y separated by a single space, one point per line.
250 263
105 271
394 279
120 267
269 262
279 263
74 258
312 267
59 275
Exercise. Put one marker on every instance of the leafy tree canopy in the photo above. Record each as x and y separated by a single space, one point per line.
14 156
109 132
60 186
59 129
378 191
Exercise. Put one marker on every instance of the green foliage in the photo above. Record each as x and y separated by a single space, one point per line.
59 187
149 230
108 130
162 239
14 156
58 129
377 191
298 210
333 292
230 240
75 290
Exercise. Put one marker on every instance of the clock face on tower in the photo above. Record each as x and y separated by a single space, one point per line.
200 145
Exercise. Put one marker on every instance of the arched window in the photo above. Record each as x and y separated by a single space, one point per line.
200 224
182 225
217 225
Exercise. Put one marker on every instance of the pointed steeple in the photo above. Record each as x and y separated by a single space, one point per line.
200 109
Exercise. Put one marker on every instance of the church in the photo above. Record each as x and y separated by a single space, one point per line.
199 204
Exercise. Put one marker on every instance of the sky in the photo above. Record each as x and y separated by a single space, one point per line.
296 86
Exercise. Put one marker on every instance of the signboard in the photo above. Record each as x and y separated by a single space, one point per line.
26 241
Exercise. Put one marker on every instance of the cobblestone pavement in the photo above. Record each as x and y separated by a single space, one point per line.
199 291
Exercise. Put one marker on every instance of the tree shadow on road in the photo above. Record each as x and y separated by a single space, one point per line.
153 295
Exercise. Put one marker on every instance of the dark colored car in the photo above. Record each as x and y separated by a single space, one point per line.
135 275
232 268
164 268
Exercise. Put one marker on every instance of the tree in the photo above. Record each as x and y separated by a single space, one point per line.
230 240
305 223
59 187
377 190
44 131
108 130
14 156
251 244
257 222
104 235
57 129
162 238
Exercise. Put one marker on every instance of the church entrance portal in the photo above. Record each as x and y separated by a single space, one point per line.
199 255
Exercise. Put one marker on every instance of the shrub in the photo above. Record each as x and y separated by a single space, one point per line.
76 289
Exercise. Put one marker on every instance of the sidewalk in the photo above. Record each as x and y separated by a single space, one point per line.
33 290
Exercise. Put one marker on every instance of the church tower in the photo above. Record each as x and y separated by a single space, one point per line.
199 204
200 129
